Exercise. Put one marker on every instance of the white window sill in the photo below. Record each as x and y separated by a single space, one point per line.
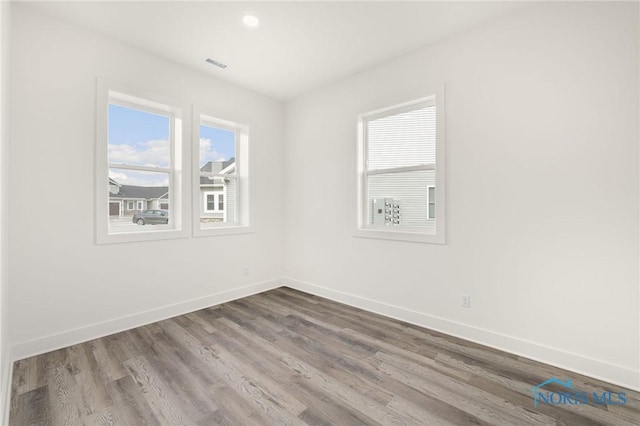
133 237
427 236
222 230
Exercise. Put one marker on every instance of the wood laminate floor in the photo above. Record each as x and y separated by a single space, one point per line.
287 358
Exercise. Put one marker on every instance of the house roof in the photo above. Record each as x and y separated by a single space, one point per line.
153 192
146 192
204 180
215 167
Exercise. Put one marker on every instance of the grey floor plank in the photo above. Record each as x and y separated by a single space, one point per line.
129 403
33 408
284 357
158 394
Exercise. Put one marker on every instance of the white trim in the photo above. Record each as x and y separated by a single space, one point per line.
425 102
63 339
212 120
139 168
225 199
427 234
244 205
595 368
403 169
224 229
227 169
110 91
7 374
217 175
140 103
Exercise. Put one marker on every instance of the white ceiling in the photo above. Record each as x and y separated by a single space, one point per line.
298 47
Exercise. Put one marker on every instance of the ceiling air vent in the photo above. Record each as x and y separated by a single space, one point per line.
216 63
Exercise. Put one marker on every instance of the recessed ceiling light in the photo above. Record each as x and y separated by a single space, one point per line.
251 21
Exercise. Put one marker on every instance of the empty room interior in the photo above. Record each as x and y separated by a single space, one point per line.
320 213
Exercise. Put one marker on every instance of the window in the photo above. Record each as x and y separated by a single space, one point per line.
431 202
401 172
221 176
211 202
214 202
140 161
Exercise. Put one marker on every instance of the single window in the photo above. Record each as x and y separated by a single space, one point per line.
211 202
432 202
400 150
140 155
222 179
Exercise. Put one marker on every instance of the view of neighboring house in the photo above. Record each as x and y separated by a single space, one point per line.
126 200
217 194
415 192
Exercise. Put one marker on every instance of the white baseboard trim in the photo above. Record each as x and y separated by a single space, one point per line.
597 369
7 375
55 341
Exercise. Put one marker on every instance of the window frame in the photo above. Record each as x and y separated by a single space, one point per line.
221 206
111 92
243 174
435 234
216 201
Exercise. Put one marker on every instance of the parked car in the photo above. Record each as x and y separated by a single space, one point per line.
151 217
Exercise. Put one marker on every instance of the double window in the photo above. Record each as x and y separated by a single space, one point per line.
214 202
401 172
143 159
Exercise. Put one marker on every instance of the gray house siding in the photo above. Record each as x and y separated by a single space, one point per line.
410 189
228 190
230 203
218 186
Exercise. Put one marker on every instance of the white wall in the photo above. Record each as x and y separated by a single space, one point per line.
542 189
64 287
5 355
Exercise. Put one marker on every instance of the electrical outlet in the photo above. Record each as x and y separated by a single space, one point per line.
465 301
246 270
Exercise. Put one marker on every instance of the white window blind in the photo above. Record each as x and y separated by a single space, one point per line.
402 140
